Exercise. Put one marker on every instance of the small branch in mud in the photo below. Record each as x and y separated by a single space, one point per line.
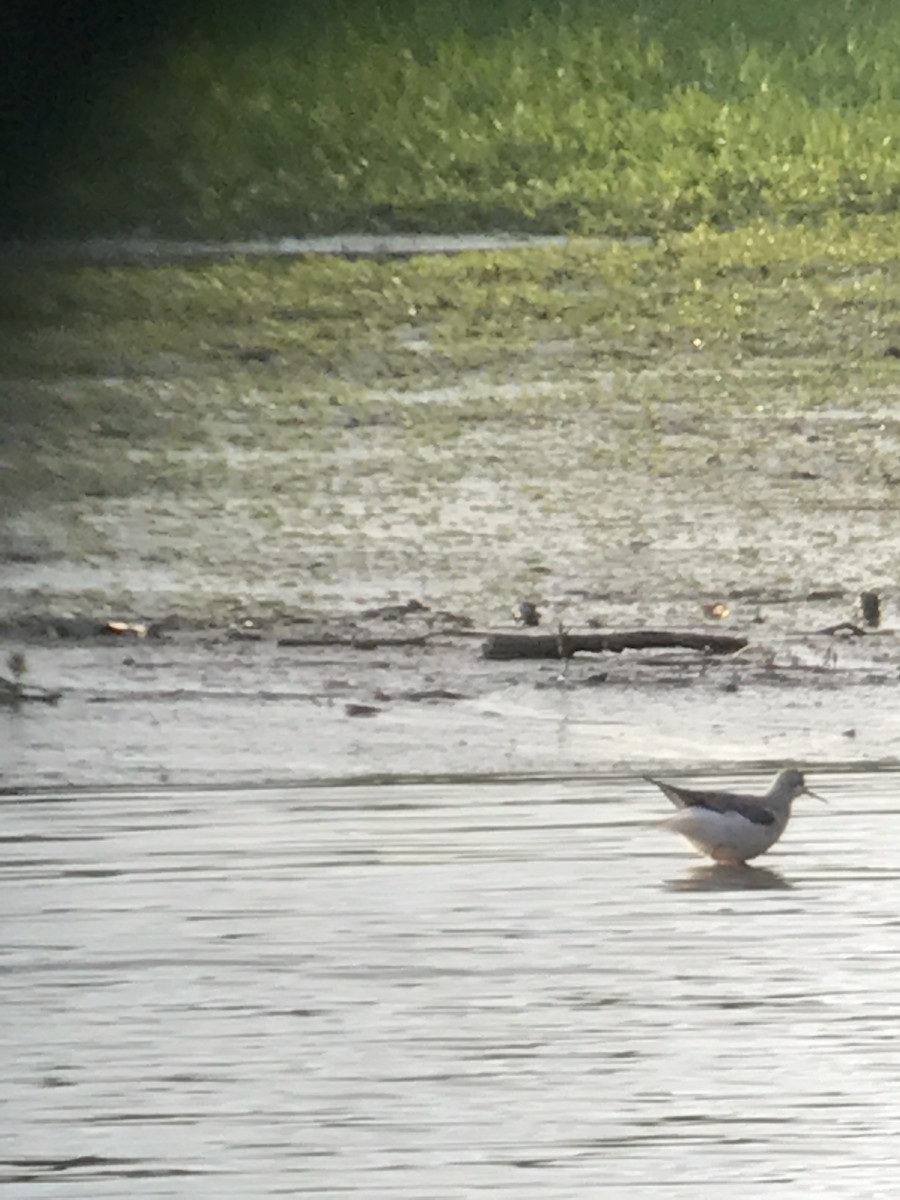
418 695
395 612
354 641
563 645
13 693
844 627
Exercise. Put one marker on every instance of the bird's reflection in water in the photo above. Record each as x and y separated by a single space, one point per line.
725 877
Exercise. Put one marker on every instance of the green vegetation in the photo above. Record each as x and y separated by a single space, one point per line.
294 433
586 116
416 321
261 353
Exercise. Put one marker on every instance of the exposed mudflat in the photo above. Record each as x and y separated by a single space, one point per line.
251 453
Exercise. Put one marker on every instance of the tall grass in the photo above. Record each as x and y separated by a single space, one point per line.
582 116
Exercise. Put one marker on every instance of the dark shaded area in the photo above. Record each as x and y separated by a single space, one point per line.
60 60
61 65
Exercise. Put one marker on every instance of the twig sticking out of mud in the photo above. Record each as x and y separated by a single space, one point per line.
13 692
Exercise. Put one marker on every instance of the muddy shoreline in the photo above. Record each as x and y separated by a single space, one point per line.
395 699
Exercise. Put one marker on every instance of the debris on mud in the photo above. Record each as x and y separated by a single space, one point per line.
15 691
361 710
564 644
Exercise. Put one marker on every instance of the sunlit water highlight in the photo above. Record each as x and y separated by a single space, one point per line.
439 990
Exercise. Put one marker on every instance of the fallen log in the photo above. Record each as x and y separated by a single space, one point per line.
564 645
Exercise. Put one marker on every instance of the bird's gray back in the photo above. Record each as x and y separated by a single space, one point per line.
749 807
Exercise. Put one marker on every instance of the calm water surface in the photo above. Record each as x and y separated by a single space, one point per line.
507 989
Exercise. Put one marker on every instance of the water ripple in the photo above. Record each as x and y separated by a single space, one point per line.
445 990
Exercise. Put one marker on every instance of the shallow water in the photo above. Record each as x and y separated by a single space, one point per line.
445 989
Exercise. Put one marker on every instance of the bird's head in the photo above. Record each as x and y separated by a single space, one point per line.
789 784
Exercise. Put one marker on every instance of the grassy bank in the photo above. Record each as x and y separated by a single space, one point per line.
582 117
831 290
98 358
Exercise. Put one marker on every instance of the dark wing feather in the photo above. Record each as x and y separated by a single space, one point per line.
683 797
